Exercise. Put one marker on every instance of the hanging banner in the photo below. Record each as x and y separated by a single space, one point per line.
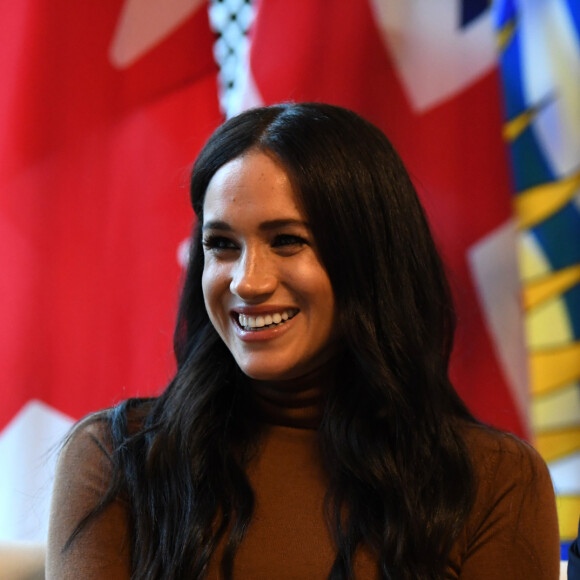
103 108
540 65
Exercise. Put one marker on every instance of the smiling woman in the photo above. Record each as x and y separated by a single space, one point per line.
266 291
311 430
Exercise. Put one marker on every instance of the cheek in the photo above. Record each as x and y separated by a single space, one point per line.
326 304
212 285
312 283
206 285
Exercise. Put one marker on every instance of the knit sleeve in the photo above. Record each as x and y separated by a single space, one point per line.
101 550
513 530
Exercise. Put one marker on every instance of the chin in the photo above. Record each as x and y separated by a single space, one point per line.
268 373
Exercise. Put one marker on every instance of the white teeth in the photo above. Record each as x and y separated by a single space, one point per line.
268 320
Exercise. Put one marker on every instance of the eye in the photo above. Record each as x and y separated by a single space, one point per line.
218 244
283 240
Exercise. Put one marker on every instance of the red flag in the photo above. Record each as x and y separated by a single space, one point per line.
102 110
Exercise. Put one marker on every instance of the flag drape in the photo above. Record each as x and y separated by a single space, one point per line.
104 109
540 64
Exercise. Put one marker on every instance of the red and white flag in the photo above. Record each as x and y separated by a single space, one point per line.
426 73
103 107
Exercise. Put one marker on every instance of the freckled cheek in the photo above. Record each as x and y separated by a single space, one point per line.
215 285
312 287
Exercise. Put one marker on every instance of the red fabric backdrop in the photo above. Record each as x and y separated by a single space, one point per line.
94 163
103 108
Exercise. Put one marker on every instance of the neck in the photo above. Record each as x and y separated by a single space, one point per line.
296 402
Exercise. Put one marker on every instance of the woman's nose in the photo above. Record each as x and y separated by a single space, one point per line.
254 277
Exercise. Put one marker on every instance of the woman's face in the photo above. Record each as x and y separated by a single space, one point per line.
265 289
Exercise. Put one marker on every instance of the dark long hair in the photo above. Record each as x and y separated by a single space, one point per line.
390 435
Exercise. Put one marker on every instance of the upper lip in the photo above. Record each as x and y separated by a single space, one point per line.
261 309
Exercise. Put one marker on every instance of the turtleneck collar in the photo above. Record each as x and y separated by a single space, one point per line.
298 402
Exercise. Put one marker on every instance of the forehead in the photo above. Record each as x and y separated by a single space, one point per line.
254 184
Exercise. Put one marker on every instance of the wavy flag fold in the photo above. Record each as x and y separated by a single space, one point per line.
540 66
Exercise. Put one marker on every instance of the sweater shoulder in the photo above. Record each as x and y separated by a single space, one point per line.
92 436
512 529
492 450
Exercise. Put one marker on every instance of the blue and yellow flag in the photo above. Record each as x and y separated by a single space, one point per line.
540 65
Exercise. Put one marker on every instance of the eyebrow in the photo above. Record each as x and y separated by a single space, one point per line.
264 226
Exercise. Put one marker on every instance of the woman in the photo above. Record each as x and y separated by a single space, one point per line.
311 430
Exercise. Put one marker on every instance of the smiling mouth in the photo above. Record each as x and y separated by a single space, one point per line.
264 321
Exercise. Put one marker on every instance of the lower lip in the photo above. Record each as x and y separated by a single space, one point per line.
265 334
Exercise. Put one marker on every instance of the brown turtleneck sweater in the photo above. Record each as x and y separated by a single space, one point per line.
512 532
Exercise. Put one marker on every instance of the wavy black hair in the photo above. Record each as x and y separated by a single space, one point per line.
401 481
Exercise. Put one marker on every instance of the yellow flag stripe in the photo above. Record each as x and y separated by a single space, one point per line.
536 204
513 128
516 126
505 35
550 286
555 444
568 513
549 369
